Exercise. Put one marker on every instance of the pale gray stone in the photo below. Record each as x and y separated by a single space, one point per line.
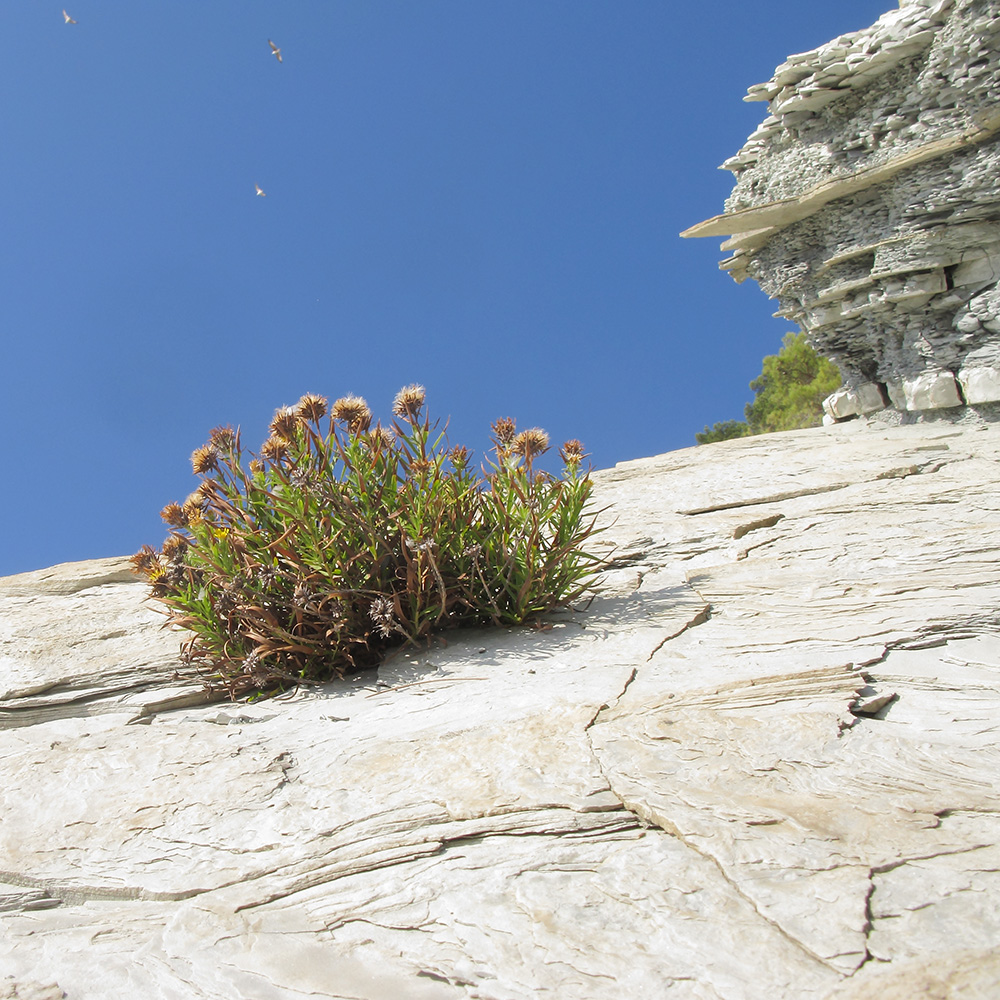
867 204
980 384
931 391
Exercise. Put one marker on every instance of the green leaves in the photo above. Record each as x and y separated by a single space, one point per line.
791 387
788 393
337 542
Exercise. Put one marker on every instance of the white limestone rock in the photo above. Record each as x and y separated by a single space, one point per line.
980 384
931 391
763 763
867 204
844 403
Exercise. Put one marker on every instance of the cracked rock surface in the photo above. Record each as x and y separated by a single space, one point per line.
763 763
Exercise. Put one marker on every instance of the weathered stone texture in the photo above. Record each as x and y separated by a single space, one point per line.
867 203
762 764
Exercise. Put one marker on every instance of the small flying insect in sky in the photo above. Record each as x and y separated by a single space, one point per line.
67 18
275 50
260 193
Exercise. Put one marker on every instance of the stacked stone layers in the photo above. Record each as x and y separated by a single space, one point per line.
867 203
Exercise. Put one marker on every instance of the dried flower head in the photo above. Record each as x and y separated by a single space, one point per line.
147 562
274 449
352 411
174 515
301 479
194 501
285 423
312 407
174 547
194 508
160 583
223 438
409 401
530 443
303 597
251 667
420 466
459 456
256 465
572 452
380 438
504 429
231 594
204 459
382 613
421 544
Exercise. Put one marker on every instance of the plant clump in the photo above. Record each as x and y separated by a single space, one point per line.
337 540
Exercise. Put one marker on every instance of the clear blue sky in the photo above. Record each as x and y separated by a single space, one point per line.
483 197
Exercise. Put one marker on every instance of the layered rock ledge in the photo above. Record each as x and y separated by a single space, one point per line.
867 204
763 763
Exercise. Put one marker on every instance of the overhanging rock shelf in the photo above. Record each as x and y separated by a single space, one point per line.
867 204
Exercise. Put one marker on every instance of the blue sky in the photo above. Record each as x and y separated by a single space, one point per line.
483 197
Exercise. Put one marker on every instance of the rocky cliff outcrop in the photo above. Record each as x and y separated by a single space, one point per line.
762 764
867 204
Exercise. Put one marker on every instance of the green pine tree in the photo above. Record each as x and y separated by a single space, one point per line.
791 388
722 431
789 393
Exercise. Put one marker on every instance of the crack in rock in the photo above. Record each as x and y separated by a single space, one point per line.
700 618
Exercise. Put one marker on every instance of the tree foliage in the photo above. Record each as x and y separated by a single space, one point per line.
723 430
791 388
789 393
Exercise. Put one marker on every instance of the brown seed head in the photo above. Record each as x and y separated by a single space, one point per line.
194 508
174 515
504 430
352 411
160 583
420 466
146 562
572 452
285 423
409 401
312 407
256 465
174 547
382 613
223 438
194 501
380 438
204 459
274 449
530 443
459 456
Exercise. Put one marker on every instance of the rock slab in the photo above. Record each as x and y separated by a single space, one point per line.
762 763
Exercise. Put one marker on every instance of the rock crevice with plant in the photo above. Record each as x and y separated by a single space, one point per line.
339 539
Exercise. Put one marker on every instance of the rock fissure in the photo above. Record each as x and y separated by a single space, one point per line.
892 866
700 618
673 831
358 858
73 893
764 500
